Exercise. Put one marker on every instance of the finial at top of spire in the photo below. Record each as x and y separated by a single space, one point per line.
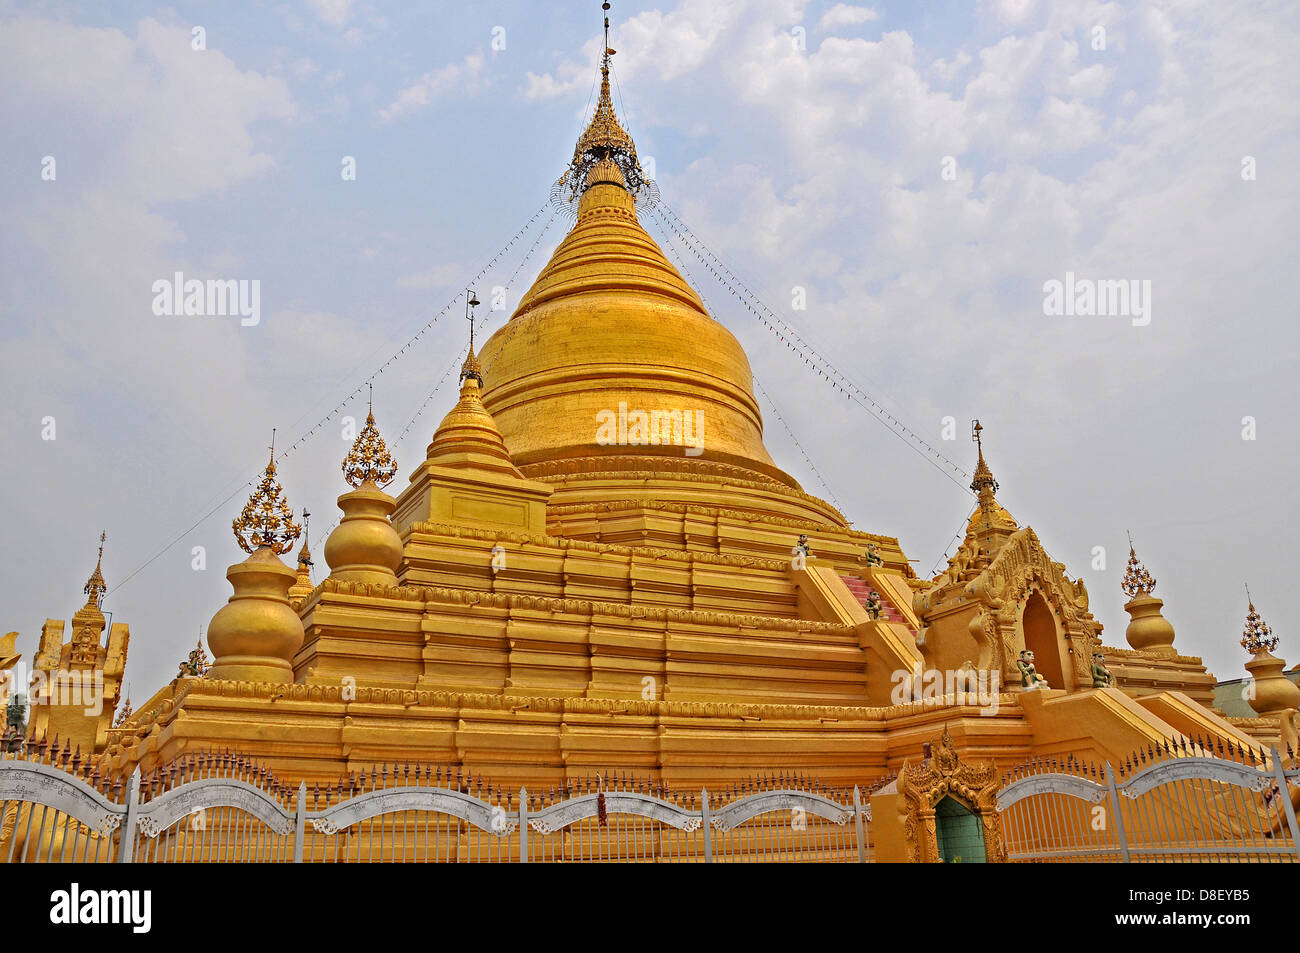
95 586
266 520
604 140
1257 636
1137 581
369 459
304 554
984 486
471 368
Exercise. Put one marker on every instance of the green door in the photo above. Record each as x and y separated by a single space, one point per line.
959 832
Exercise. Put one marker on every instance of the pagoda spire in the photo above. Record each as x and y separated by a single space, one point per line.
1148 630
604 145
304 554
471 368
983 486
1270 693
95 586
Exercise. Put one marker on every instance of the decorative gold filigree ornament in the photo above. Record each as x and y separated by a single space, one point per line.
1137 581
1258 635
267 519
369 459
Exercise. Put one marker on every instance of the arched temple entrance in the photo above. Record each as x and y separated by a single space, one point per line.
1039 627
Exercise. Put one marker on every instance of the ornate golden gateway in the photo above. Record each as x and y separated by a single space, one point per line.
922 786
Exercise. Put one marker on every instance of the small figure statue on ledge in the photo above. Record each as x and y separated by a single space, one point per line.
1101 677
1029 677
873 557
196 664
873 605
802 552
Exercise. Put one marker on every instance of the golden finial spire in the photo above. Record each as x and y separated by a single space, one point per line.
95 586
604 140
267 520
1137 581
369 459
1258 635
471 368
304 554
984 486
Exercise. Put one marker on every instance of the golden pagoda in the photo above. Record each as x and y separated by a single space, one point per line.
592 567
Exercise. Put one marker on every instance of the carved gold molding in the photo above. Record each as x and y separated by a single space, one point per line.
436 595
582 545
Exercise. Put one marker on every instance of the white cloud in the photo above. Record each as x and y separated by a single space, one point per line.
462 78
844 14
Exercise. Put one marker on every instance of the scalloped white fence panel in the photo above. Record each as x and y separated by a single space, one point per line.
50 815
1184 809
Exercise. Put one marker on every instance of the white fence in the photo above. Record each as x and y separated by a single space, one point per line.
1180 803
214 807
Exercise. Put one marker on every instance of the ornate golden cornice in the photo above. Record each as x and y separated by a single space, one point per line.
667 468
503 600
582 545
406 698
1118 653
700 509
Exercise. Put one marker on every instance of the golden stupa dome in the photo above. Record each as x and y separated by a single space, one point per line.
611 357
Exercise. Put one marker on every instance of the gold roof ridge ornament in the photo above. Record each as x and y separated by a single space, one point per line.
266 520
369 460
1137 581
1258 635
604 142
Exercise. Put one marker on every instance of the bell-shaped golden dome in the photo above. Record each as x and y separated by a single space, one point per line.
610 330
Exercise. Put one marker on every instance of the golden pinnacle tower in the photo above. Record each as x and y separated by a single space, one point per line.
254 636
597 564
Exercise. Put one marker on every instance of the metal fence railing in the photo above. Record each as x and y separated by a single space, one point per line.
1183 802
223 807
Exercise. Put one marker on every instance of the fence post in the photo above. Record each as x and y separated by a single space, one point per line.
857 819
300 823
705 825
523 825
1285 794
1117 819
126 846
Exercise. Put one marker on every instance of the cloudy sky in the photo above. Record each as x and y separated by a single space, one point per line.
918 170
